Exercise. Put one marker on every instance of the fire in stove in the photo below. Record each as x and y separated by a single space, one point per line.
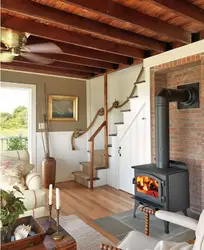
147 186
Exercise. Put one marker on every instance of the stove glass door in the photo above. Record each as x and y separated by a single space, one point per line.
147 185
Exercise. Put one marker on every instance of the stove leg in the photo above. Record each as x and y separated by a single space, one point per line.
135 209
185 212
166 227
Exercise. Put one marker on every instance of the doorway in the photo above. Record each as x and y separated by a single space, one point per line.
18 118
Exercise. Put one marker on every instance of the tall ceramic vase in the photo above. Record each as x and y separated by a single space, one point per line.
48 171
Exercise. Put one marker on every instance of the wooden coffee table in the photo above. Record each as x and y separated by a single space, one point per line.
67 243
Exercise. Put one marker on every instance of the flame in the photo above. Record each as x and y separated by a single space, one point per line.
147 186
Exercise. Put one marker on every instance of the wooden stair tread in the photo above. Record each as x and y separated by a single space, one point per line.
139 82
136 96
84 175
113 135
96 166
110 145
125 110
98 151
119 123
103 154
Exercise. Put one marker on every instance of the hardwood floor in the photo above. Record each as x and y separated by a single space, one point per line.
89 204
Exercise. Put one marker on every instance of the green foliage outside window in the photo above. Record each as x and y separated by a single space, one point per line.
13 126
16 120
18 143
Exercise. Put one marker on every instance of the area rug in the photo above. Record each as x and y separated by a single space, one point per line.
86 237
120 224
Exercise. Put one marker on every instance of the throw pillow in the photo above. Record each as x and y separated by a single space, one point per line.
27 167
11 174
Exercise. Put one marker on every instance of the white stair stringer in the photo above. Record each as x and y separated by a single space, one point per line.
137 107
128 117
117 130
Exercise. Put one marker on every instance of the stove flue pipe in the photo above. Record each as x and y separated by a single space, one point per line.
162 121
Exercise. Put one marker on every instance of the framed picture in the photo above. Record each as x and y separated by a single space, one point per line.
62 108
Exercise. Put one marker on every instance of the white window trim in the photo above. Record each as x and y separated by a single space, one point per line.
31 116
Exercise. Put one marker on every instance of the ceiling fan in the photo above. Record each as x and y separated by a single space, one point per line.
15 45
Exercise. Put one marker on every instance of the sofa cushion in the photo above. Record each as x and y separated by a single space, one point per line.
27 167
33 181
11 174
32 198
22 155
36 213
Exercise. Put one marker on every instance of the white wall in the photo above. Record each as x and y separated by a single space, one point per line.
120 85
60 148
174 54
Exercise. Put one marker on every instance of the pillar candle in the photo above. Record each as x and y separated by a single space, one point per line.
50 195
57 198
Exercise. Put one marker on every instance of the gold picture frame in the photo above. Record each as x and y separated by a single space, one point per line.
62 108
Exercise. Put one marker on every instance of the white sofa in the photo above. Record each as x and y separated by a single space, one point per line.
136 240
34 196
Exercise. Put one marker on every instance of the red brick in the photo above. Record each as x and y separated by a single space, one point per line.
183 60
186 126
198 57
193 58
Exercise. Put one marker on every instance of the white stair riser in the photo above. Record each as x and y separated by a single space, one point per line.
120 129
136 104
87 170
102 174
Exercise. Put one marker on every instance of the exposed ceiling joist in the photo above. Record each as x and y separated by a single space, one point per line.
68 66
81 52
80 61
183 7
122 13
56 34
42 69
52 15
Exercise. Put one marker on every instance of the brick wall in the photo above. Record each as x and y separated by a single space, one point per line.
186 126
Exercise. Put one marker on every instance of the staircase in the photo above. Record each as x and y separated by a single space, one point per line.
98 170
83 176
128 115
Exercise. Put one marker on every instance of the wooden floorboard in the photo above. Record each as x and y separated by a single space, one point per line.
89 205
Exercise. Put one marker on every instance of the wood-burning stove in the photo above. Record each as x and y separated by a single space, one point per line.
164 185
159 188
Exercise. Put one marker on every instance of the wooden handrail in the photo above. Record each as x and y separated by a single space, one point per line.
105 125
97 131
92 152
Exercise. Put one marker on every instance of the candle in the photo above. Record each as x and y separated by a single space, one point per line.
50 195
57 198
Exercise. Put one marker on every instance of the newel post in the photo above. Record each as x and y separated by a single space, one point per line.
106 119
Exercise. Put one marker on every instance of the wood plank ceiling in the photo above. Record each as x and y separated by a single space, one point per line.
99 36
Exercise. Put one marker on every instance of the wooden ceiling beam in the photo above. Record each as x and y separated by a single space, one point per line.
84 53
79 61
116 11
42 69
68 66
59 17
183 7
61 35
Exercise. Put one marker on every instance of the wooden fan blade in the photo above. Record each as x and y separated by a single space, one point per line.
36 58
6 57
43 48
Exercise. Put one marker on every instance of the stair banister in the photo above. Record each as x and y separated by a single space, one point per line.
91 140
106 119
105 125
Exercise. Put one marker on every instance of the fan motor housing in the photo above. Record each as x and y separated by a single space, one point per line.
15 51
